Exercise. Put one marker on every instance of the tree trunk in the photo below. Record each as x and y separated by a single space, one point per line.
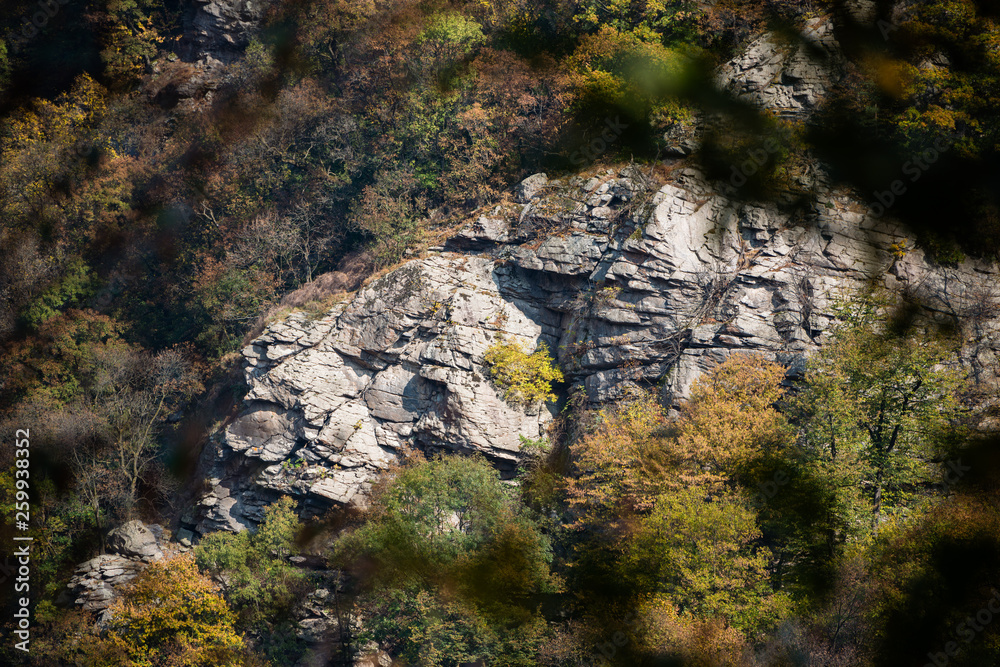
877 501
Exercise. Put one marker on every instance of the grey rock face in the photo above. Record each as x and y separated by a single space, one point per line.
98 581
134 540
374 658
788 78
681 139
316 619
484 232
629 287
220 28
336 400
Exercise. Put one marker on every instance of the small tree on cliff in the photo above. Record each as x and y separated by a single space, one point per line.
524 378
253 567
450 563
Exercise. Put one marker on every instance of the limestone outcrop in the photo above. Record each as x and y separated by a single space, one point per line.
629 284
632 280
789 77
333 401
220 29
98 581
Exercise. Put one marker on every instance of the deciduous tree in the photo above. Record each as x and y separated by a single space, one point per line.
253 567
450 561
170 616
878 400
703 554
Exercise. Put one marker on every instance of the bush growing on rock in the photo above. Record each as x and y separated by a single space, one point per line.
170 615
259 581
524 378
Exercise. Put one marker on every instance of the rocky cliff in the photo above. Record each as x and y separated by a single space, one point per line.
631 282
637 277
789 77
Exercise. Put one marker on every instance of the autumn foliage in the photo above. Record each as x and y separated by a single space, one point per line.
170 616
635 453
523 378
660 509
146 233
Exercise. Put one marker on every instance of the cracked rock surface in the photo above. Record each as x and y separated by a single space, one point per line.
99 580
220 29
787 77
629 285
335 400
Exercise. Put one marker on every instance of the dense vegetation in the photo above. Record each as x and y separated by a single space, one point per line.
144 235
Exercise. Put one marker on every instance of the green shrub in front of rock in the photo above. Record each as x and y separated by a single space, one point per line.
449 566
258 581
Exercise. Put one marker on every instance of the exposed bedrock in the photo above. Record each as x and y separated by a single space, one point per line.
628 286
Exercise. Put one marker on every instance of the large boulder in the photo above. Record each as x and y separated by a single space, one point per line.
134 540
336 400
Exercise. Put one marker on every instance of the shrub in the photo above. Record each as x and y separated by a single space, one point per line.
448 520
688 639
4 67
927 578
388 212
77 284
622 463
730 419
260 582
524 378
451 36
670 23
635 454
429 628
452 565
170 615
615 72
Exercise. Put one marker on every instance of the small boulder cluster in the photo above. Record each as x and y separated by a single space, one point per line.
98 581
